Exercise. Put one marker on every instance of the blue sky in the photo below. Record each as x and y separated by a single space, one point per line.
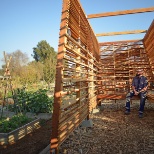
24 23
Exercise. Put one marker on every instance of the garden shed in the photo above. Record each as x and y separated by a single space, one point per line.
89 71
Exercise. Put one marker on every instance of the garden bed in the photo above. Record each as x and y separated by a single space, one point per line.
13 136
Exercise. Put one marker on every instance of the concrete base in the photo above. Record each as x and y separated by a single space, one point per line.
87 123
101 108
95 111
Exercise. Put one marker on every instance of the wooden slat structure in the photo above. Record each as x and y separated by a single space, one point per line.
88 71
119 62
124 12
76 75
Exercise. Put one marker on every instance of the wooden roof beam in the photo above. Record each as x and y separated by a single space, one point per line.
124 12
121 33
118 42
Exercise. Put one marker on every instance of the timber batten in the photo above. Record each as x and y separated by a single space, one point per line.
124 12
121 33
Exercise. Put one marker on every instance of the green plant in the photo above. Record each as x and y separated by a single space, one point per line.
2 119
9 124
35 102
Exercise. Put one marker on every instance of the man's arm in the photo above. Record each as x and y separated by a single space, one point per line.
133 86
145 86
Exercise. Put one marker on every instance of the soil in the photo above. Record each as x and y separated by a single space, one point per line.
112 133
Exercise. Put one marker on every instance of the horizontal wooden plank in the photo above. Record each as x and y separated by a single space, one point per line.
111 96
123 12
118 42
121 33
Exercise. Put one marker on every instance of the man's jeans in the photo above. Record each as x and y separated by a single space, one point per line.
142 96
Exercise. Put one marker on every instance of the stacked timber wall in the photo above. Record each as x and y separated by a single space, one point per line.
149 45
76 75
119 62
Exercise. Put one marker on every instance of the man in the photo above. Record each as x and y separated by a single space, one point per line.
139 87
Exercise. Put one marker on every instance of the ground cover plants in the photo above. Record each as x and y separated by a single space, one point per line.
9 124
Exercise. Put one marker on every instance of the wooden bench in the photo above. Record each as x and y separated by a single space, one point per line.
150 97
115 97
110 97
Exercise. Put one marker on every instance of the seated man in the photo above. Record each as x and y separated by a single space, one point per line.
139 87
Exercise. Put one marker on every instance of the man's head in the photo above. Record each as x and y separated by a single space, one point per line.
139 72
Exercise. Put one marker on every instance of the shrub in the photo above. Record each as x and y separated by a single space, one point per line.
34 102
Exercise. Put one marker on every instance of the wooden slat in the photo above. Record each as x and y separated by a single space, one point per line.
111 96
118 42
121 33
66 134
124 12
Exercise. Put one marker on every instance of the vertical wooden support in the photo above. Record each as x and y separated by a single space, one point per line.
57 100
8 78
58 82
114 82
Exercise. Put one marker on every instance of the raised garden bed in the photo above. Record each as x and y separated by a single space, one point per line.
45 116
13 136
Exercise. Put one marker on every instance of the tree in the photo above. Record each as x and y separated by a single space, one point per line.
50 68
42 51
37 69
45 54
19 59
18 62
2 70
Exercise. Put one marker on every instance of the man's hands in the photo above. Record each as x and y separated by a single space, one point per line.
136 93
